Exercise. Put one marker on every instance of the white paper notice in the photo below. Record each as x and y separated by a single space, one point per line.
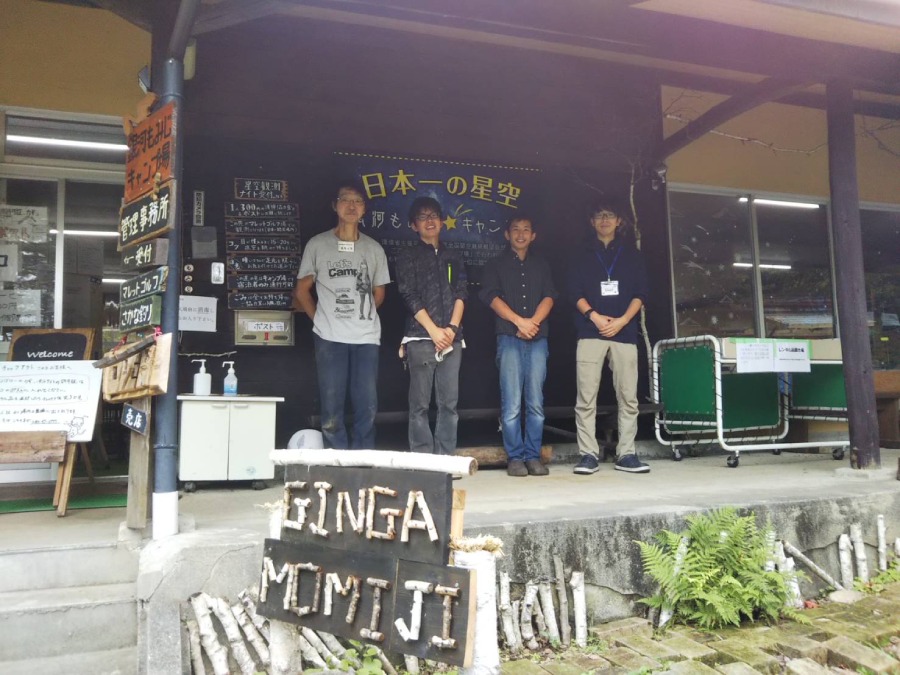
197 313
792 356
755 357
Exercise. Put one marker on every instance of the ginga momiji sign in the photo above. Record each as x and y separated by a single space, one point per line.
363 554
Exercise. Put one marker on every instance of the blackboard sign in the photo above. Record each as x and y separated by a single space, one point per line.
51 344
149 283
265 226
262 245
261 189
261 281
140 314
263 263
148 217
135 419
261 210
149 254
242 300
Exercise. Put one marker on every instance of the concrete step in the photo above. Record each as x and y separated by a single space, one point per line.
70 566
109 662
57 621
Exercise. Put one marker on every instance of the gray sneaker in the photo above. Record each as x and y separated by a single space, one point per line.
516 467
587 465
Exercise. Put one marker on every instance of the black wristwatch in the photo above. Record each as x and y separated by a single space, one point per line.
587 314
453 327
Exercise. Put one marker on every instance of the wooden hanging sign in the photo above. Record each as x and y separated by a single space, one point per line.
142 313
147 254
151 152
148 217
144 285
137 370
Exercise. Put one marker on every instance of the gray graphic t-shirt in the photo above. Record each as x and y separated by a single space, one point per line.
345 276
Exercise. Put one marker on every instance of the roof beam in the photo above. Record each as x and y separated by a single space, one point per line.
768 90
880 12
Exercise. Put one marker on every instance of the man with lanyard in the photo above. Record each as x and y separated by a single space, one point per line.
608 282
432 282
517 285
347 269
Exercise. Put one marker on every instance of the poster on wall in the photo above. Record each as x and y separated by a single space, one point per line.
476 199
20 308
23 223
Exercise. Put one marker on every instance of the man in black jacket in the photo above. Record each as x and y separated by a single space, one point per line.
432 283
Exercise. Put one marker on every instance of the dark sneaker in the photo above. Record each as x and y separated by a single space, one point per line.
588 464
631 464
516 467
535 468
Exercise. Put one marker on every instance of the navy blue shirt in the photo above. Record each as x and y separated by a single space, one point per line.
521 284
432 279
595 263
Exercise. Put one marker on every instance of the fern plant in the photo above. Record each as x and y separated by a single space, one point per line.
719 577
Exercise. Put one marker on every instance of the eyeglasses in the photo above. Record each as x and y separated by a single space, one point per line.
425 217
351 201
605 215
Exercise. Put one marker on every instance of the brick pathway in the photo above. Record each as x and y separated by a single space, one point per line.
840 639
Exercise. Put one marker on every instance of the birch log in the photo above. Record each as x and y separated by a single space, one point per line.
668 609
384 459
412 664
897 547
579 606
564 628
337 648
233 632
818 571
538 615
197 666
385 662
247 600
485 653
859 552
313 639
284 649
793 598
546 596
882 543
517 627
513 643
525 618
218 655
845 555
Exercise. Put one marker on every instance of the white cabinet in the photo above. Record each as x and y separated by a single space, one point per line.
226 438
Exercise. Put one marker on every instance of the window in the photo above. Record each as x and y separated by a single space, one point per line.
881 261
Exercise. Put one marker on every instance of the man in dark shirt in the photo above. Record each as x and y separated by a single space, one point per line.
517 285
432 283
608 283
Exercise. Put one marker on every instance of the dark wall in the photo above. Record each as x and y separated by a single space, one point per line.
276 100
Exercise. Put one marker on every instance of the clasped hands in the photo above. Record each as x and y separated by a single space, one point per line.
607 326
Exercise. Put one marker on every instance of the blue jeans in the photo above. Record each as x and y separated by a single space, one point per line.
427 374
523 369
338 365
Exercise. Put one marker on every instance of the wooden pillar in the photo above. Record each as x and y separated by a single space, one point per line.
848 263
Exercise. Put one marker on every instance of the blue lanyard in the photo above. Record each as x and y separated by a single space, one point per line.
609 270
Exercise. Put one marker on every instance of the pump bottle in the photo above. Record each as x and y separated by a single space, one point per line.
230 388
202 379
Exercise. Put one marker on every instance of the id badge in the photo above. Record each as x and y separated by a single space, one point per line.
609 288
345 246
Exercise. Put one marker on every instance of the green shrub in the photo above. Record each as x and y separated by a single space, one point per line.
721 579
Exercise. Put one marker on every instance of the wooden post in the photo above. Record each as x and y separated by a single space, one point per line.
849 278
138 505
64 481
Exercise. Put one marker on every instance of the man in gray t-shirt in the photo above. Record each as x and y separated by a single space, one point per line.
349 271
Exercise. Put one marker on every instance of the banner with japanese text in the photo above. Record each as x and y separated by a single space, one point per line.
477 200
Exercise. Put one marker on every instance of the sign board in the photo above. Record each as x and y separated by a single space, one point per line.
261 210
199 208
766 355
148 217
37 395
135 419
20 308
260 263
792 356
27 224
355 543
261 189
242 300
262 245
148 254
149 283
151 152
263 226
140 314
257 281
51 344
143 373
197 313
263 328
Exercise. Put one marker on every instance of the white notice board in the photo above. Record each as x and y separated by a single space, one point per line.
42 395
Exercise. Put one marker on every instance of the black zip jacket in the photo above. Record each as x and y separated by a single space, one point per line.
433 280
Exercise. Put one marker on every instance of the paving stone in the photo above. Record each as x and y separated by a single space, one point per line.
578 664
806 667
690 649
843 629
631 626
653 649
626 658
521 667
847 653
747 652
776 641
689 668
846 596
737 668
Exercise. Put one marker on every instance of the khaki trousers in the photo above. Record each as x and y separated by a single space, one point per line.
589 356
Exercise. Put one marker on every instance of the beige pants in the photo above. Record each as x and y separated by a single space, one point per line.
589 357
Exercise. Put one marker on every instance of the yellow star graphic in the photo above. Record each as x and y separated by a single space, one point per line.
450 223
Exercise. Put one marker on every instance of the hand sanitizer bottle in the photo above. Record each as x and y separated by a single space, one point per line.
202 379
230 388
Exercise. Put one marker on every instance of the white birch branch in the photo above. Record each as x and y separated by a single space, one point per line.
385 663
384 459
233 632
312 638
284 649
218 655
845 555
579 606
882 543
506 616
262 625
412 664
517 628
668 608
525 618
485 652
252 634
337 648
859 552
308 652
197 666
565 629
546 596
818 571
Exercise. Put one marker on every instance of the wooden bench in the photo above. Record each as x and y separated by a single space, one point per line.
42 446
887 403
